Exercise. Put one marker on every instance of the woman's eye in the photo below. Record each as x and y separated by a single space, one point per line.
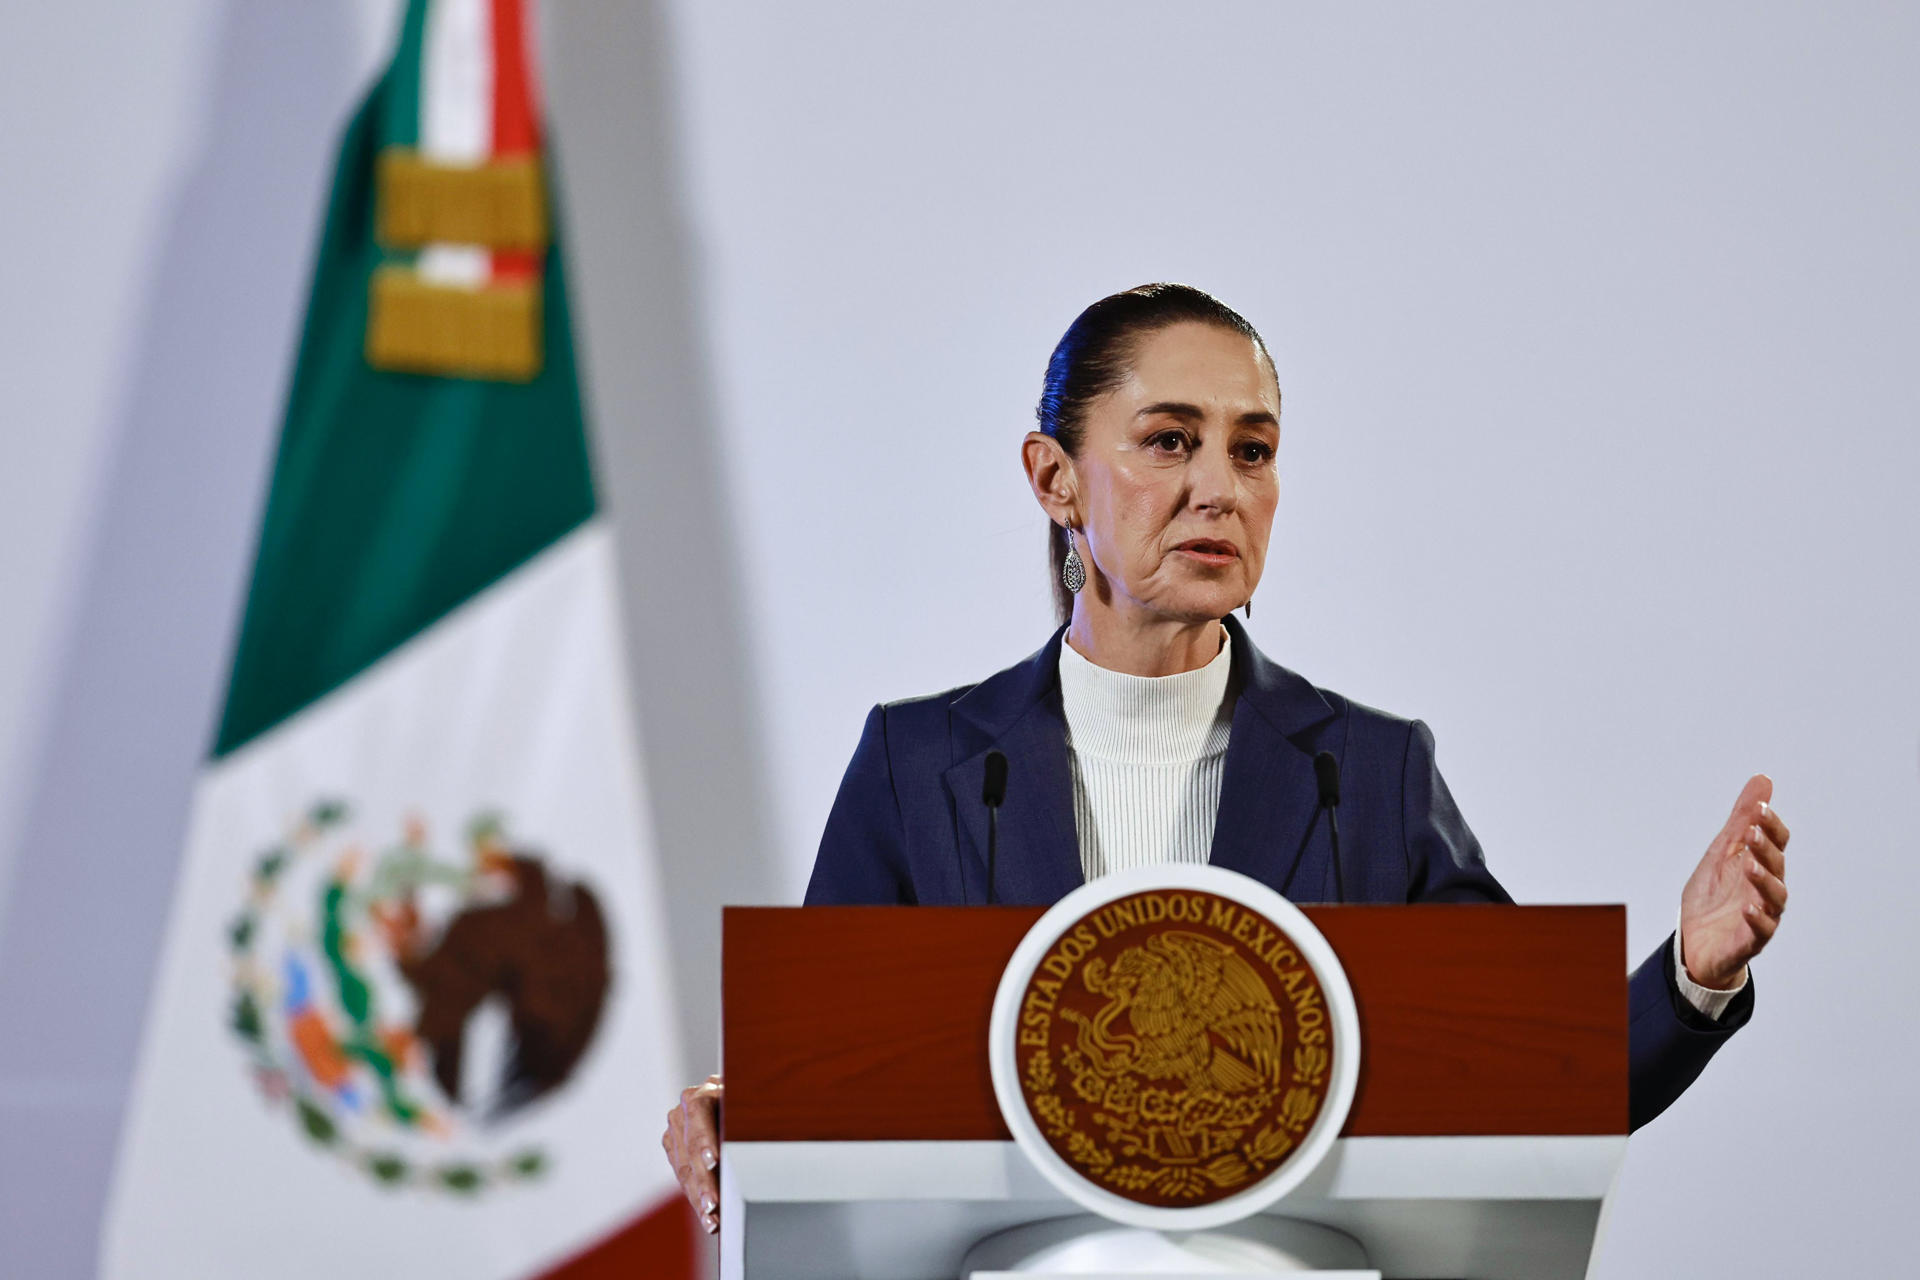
1170 442
1256 452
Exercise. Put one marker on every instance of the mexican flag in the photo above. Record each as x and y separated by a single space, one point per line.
412 1015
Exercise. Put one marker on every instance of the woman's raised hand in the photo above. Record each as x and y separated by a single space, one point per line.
692 1143
1733 901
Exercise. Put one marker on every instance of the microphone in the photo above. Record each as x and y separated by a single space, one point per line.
992 792
1327 771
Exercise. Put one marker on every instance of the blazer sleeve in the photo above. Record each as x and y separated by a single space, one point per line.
863 852
1444 862
1669 1042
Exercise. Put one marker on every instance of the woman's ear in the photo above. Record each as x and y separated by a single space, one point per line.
1050 472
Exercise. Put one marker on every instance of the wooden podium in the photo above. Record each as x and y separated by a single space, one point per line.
862 1139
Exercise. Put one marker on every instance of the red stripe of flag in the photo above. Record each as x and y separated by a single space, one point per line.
665 1243
516 127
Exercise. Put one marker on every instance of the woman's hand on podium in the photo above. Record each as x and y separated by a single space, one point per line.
692 1143
1733 901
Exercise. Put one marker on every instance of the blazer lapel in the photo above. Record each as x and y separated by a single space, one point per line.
1017 713
1269 797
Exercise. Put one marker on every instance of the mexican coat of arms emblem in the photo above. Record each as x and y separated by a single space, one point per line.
1178 1048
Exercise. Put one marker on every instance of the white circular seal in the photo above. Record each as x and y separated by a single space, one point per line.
1174 1047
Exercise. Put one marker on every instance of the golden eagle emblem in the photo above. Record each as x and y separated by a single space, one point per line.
1174 1047
1196 1013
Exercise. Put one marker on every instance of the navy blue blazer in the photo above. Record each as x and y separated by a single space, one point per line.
908 825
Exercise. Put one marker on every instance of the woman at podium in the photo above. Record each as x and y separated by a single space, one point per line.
1149 729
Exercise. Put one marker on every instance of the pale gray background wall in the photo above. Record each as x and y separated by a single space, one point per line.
1599 452
173 161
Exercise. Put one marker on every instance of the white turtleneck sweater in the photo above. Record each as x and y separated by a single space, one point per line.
1148 754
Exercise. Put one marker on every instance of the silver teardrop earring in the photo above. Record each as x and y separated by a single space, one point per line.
1073 574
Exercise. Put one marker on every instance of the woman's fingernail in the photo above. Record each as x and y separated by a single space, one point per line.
706 1205
1753 835
713 1225
709 1159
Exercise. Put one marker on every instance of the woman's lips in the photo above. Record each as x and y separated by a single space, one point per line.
1209 551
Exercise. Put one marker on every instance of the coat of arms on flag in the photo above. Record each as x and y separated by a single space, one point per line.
405 1004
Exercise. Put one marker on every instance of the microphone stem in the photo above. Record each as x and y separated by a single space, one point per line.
1339 879
993 839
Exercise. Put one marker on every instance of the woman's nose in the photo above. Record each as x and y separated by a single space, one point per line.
1210 480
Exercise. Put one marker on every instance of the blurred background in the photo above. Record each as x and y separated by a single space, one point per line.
1596 332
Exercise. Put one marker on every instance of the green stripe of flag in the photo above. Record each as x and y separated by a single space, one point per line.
395 497
400 102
